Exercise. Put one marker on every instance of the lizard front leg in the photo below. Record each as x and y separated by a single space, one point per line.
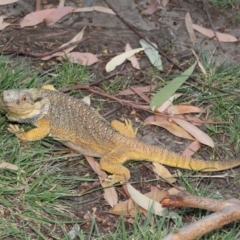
49 87
42 130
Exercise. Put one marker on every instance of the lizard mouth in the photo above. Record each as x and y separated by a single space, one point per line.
3 105
13 107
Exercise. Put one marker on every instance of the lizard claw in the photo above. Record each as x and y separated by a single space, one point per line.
132 131
14 129
112 179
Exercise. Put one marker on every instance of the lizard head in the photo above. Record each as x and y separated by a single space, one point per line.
24 105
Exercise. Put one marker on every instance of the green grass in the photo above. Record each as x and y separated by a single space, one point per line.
31 202
224 3
37 203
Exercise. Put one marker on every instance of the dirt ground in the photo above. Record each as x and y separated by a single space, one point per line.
166 27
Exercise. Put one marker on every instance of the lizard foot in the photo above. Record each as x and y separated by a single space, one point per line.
112 179
125 128
14 129
132 131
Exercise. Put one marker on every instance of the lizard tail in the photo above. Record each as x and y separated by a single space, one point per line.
165 157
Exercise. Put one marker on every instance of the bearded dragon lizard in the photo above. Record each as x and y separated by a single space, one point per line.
83 129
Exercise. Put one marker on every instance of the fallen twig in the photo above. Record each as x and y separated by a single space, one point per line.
210 20
41 55
140 105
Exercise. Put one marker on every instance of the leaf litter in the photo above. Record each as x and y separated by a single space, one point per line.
171 110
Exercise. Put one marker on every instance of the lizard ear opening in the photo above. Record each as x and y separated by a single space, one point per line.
41 107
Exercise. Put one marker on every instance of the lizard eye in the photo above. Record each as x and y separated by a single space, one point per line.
26 98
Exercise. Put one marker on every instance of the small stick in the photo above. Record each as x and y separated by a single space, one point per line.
210 20
41 55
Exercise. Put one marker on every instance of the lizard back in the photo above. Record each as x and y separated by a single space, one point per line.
73 120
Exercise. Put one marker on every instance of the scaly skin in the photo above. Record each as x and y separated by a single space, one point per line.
82 128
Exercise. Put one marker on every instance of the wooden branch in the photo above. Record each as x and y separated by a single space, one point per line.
226 211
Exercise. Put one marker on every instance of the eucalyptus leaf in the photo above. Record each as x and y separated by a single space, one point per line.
166 92
152 54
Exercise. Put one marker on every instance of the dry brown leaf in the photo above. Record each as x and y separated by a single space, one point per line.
168 103
182 109
145 202
164 3
124 187
119 59
192 148
223 37
104 10
121 209
3 25
110 194
195 132
172 128
156 194
142 95
78 37
50 16
57 15
61 3
155 118
5 2
131 207
189 26
84 9
130 91
85 59
163 172
128 208
96 168
189 118
35 18
151 8
6 165
133 58
197 121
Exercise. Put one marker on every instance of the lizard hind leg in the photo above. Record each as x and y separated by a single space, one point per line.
112 163
125 129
